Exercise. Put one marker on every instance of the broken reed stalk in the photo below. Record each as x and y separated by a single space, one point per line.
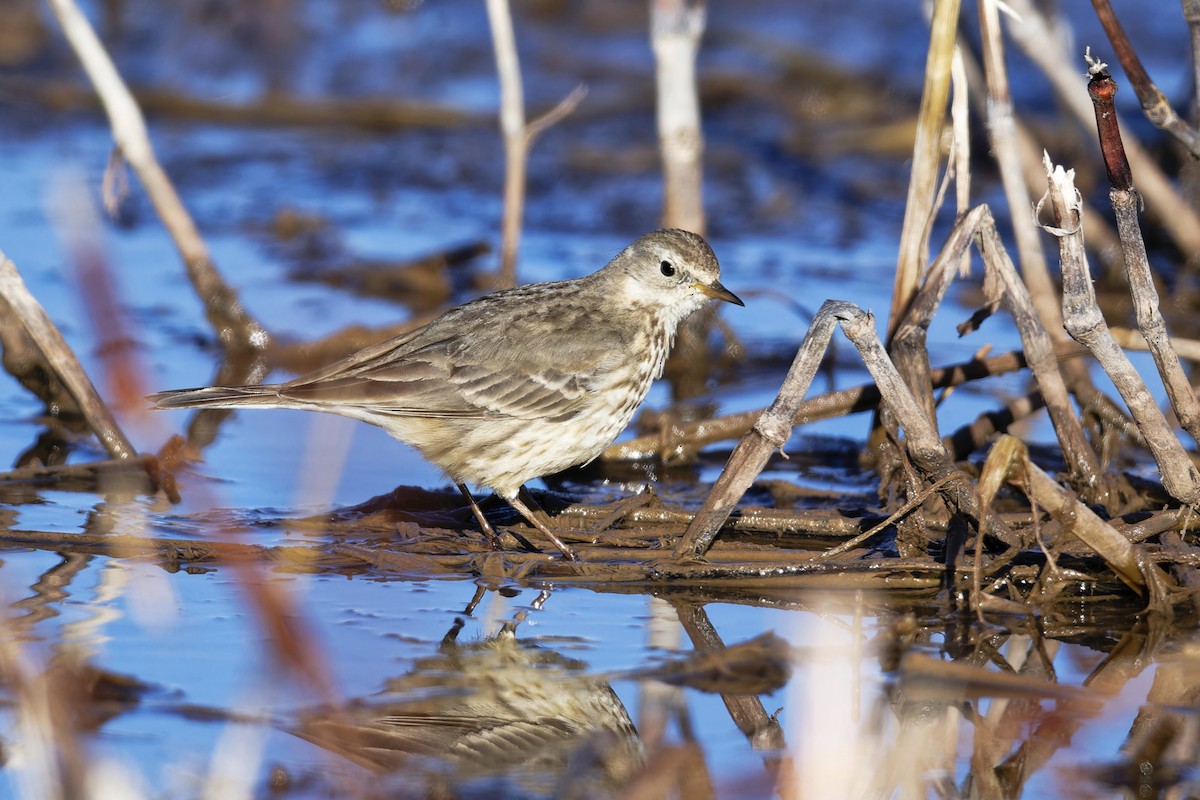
234 326
63 361
518 136
1009 461
774 427
922 186
676 27
1154 103
1044 46
1126 201
512 128
1085 323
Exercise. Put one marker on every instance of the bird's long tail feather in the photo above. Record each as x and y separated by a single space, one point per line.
217 397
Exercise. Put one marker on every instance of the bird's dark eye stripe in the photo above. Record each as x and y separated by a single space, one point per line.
667 268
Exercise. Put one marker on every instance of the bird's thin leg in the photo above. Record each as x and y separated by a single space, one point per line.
488 531
531 501
532 519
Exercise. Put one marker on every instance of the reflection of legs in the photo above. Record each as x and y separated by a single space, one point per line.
493 539
532 518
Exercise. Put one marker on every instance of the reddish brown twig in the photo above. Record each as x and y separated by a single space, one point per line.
1154 103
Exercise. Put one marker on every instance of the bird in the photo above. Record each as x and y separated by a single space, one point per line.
516 384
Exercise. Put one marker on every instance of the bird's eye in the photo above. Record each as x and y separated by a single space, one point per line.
667 268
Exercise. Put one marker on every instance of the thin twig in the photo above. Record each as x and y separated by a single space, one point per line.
1154 103
518 137
236 329
913 502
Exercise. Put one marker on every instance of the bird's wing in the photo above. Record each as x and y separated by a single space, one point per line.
467 374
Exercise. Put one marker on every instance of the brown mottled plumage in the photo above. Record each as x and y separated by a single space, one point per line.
517 384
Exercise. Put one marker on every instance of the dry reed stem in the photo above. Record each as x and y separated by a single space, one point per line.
235 328
63 361
676 27
1126 202
1003 284
1085 323
512 127
1191 14
1154 103
1002 136
518 136
1033 35
1118 552
960 119
922 187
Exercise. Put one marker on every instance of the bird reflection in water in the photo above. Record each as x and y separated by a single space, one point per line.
500 708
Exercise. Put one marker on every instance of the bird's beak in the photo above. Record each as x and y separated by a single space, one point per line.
718 292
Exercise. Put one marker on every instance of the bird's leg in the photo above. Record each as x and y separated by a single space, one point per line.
533 520
488 531
531 501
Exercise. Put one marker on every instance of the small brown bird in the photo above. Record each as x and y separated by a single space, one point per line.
517 384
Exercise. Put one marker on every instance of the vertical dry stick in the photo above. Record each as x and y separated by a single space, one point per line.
58 354
676 27
1086 473
1154 102
1002 132
961 118
1083 320
922 187
233 325
518 137
1044 48
512 127
1191 13
675 30
1125 201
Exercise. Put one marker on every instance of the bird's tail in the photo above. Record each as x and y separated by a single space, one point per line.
217 397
